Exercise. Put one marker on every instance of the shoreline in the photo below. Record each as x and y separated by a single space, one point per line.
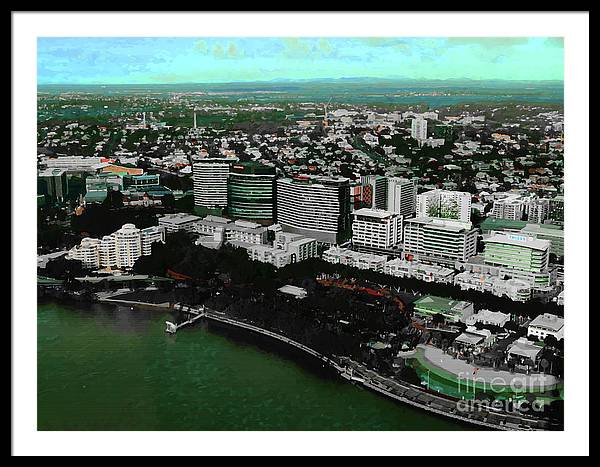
404 392
359 375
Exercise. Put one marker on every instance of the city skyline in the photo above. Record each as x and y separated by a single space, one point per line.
179 60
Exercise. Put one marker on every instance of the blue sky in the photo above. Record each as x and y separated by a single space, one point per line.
129 60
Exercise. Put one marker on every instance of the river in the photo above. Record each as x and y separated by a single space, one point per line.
106 367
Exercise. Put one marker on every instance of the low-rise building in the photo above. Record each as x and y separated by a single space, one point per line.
524 353
297 292
355 259
489 318
246 232
474 339
515 289
287 248
415 269
546 325
179 222
452 310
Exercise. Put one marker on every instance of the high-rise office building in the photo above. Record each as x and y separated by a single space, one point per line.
53 182
251 191
439 240
376 229
210 183
444 204
317 207
402 196
418 129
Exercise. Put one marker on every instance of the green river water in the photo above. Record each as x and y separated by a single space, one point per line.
104 367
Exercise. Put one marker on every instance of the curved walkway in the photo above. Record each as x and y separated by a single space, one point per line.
484 378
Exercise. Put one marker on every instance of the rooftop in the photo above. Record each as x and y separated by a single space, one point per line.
469 338
454 225
544 229
367 212
492 223
518 240
548 321
179 218
298 292
522 347
440 304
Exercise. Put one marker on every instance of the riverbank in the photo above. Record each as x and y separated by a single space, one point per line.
407 393
401 391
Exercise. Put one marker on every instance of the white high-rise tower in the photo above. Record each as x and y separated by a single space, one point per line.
402 196
418 129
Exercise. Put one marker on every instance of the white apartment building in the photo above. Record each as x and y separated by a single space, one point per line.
87 252
402 196
316 207
514 206
355 259
418 129
445 204
538 210
210 181
509 208
121 249
439 241
108 252
376 229
149 236
546 325
128 244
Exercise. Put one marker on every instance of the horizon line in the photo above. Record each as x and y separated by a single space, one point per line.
292 80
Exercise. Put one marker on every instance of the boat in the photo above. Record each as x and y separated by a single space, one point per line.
171 327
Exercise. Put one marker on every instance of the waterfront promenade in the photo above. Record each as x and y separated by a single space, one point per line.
357 373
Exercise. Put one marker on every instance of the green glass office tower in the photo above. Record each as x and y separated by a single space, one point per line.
251 191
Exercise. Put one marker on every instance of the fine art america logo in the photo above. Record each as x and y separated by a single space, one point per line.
486 389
